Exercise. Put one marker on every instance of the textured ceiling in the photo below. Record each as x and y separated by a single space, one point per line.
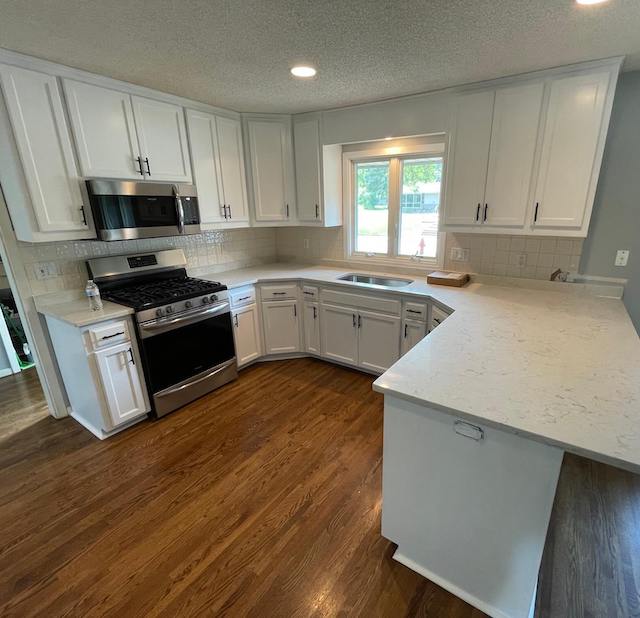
237 53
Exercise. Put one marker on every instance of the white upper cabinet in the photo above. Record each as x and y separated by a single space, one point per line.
204 155
163 140
516 116
525 158
571 150
231 168
318 174
271 164
120 136
43 143
104 130
306 141
468 158
218 168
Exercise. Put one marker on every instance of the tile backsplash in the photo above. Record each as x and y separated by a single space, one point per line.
207 252
532 257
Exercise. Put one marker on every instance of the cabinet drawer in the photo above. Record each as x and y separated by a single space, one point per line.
108 334
415 311
242 296
309 293
438 316
279 291
375 303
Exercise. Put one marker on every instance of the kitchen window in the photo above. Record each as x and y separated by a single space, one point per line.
395 195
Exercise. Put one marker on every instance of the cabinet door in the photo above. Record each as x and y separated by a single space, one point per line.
270 145
104 131
468 159
306 142
340 334
246 333
231 167
121 383
412 332
42 138
378 341
567 176
311 328
204 147
281 330
163 140
514 132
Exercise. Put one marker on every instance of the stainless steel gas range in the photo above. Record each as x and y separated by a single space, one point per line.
183 324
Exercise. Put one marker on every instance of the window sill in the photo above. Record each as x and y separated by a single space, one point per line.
397 263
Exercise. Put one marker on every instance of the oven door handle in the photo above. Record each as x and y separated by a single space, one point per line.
179 209
194 316
177 389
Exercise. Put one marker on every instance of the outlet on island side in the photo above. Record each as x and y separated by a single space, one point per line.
622 257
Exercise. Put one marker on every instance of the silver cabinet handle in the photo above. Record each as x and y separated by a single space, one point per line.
179 209
235 320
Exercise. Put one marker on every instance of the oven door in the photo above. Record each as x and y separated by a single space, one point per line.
188 356
128 210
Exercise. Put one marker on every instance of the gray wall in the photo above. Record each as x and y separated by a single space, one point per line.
615 223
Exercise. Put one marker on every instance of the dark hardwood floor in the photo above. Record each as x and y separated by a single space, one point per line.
262 499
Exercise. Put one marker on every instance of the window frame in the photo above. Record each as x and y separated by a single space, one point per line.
395 155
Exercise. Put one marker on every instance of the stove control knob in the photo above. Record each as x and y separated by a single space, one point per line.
188 304
169 309
214 298
205 300
159 312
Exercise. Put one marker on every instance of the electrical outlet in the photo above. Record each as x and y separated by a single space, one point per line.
305 243
522 260
458 254
622 257
45 270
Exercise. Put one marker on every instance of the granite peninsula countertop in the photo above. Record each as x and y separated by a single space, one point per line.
557 366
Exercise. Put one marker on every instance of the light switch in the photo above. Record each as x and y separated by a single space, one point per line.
622 257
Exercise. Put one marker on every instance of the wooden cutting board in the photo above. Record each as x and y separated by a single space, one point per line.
454 279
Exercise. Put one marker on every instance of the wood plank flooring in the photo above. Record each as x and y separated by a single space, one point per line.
22 402
262 499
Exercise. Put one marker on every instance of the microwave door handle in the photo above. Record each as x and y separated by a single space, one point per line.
179 209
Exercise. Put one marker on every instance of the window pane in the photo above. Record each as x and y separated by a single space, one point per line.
419 206
372 206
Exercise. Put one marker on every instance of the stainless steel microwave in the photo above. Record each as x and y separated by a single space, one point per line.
124 210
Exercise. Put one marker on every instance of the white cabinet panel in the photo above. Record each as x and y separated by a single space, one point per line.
568 173
412 333
202 139
340 334
311 328
104 130
271 169
378 341
281 330
514 132
306 140
231 168
468 158
246 333
44 145
163 140
121 383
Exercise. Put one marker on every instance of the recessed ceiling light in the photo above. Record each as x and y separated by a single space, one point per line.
303 71
590 1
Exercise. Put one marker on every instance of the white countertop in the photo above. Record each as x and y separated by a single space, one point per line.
77 312
561 367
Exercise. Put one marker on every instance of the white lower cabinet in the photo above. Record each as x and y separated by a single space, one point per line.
378 340
412 333
281 326
246 333
366 339
339 334
121 383
311 328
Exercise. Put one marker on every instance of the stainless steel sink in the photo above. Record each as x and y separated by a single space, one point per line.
385 282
